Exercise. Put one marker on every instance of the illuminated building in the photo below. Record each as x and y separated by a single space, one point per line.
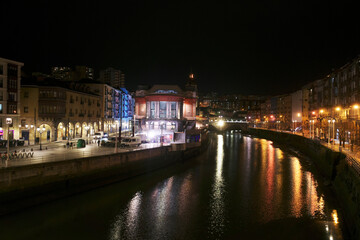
164 110
63 112
10 76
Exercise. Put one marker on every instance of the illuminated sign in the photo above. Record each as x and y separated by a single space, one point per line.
166 91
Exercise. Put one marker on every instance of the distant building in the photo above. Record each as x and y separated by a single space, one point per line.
112 77
10 76
296 108
62 73
69 74
83 72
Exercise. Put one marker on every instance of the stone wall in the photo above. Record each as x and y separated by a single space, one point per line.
25 186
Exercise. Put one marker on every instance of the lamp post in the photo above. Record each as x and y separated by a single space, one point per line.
133 127
40 130
8 123
87 134
116 135
329 121
333 121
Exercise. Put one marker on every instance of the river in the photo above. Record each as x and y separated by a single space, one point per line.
240 188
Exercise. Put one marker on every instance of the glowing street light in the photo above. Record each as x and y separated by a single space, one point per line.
221 123
8 123
40 130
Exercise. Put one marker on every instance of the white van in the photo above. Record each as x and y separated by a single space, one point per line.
130 141
98 135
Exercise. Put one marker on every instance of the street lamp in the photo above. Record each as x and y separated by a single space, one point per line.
333 121
311 130
87 134
329 121
40 130
116 135
8 123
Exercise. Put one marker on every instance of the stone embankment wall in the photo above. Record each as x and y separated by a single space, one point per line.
345 181
29 185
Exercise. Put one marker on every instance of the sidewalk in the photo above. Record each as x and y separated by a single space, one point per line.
352 152
57 152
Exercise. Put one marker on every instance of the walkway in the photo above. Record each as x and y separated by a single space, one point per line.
352 152
57 152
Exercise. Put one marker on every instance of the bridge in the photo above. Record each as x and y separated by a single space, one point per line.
228 124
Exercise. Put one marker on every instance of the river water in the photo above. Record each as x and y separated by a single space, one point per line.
240 188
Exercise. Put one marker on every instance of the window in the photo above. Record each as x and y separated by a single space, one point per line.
1 109
1 96
26 109
26 94
162 110
1 69
152 109
1 82
173 110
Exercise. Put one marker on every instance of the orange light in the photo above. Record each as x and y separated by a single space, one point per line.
299 115
321 111
338 109
356 106
313 113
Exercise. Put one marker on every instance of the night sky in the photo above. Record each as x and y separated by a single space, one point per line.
248 47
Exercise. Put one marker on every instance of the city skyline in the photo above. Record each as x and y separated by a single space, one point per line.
248 48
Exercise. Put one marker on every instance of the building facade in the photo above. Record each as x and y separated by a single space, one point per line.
163 110
51 113
10 78
117 107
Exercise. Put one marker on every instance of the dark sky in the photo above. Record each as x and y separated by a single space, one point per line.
249 47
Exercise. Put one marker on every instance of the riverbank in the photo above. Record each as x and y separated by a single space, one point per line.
333 166
29 185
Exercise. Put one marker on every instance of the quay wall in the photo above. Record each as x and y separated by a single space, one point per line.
25 186
334 166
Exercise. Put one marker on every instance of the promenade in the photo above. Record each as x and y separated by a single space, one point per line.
57 151
352 152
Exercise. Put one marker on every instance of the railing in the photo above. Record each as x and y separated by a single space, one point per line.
353 163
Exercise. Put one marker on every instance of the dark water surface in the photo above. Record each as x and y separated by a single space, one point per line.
241 188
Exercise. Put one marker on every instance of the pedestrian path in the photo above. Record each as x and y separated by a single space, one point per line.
60 152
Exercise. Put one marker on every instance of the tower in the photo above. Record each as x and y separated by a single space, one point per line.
191 84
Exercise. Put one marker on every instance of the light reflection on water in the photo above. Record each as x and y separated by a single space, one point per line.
217 208
127 221
241 188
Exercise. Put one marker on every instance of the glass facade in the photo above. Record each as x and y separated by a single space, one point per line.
162 110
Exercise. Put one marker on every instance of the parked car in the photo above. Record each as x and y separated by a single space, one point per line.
130 141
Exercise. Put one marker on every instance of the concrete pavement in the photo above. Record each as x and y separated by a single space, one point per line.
57 151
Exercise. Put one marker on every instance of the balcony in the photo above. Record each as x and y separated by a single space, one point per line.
81 115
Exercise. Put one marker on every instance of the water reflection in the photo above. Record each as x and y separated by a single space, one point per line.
241 188
127 222
217 221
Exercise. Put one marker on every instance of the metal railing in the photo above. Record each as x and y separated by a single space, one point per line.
353 164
